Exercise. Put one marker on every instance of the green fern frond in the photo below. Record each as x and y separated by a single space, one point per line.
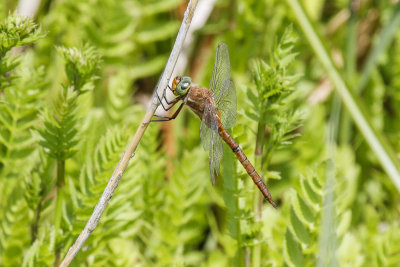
18 31
18 115
284 129
304 227
15 31
80 65
121 212
39 181
302 233
272 106
272 83
14 231
37 186
58 135
7 64
292 251
94 175
118 99
41 252
283 51
21 86
181 230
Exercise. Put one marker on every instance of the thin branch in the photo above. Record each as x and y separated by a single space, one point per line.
130 150
28 8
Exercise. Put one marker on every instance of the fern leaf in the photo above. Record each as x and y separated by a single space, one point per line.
118 96
41 252
17 31
58 135
14 233
93 179
80 65
18 115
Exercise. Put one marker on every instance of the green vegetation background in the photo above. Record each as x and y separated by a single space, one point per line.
73 89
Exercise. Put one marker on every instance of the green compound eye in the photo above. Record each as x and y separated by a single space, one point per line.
184 85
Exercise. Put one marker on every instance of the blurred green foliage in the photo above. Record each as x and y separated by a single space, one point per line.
73 89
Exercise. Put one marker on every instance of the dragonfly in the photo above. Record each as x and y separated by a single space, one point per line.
216 107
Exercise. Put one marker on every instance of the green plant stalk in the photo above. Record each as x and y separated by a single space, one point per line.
351 44
349 67
240 246
257 197
241 249
232 200
327 244
58 212
378 145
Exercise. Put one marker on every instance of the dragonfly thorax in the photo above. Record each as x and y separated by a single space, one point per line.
181 85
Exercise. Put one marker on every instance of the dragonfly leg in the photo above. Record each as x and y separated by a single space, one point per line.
166 118
165 97
170 103
160 100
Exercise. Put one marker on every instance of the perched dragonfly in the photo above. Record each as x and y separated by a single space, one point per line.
217 110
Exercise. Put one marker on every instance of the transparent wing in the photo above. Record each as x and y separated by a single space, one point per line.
225 98
222 70
211 140
226 103
206 127
215 155
222 86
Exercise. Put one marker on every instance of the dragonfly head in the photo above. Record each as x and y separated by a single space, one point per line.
181 85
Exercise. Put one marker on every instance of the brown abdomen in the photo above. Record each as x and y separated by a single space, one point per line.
246 164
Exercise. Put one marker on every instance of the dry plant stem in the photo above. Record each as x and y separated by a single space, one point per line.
28 8
129 152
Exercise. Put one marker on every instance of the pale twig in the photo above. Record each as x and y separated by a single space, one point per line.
130 150
28 8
